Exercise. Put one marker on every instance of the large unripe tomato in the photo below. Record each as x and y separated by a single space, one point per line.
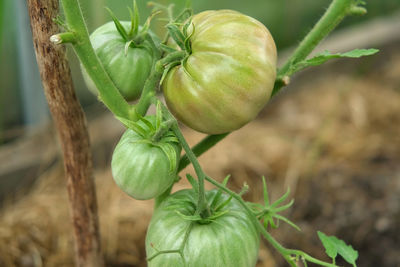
228 240
142 168
128 71
228 77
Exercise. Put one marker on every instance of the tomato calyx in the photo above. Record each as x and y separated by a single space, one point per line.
156 132
136 36
269 212
215 208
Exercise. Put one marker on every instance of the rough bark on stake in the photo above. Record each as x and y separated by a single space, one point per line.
71 125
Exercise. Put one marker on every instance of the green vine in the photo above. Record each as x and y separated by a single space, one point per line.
77 35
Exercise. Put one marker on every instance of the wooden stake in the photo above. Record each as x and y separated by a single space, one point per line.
70 122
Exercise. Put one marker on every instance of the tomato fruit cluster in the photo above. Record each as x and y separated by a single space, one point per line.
229 75
230 239
128 68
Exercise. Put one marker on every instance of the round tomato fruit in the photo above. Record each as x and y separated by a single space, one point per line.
144 168
174 239
127 68
229 75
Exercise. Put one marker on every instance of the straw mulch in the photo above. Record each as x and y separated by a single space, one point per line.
335 141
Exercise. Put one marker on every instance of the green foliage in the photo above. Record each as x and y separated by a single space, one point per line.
334 246
326 55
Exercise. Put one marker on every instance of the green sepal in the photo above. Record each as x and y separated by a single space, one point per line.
149 124
133 126
265 192
170 139
287 221
218 195
177 35
167 69
135 20
281 199
127 45
159 115
146 25
194 183
170 152
187 43
167 49
118 25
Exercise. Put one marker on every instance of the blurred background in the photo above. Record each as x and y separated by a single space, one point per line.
332 136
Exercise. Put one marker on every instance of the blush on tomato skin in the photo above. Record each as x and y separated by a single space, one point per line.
229 76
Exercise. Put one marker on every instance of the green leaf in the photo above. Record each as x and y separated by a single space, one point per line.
118 25
326 55
334 246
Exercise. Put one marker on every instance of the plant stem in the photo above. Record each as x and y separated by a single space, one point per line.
331 18
108 92
335 13
70 122
203 208
152 82
286 253
201 147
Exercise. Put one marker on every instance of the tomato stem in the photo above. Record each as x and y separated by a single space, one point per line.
202 209
149 90
108 92
286 253
335 13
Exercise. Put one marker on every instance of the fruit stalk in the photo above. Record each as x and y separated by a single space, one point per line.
335 13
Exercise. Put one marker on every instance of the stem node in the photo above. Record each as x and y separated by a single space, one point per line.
63 38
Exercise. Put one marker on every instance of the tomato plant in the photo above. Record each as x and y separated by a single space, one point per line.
228 76
216 77
228 237
142 167
120 55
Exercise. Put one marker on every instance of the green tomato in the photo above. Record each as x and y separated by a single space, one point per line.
128 71
228 78
142 168
231 239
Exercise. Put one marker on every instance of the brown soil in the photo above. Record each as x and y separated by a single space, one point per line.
335 141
